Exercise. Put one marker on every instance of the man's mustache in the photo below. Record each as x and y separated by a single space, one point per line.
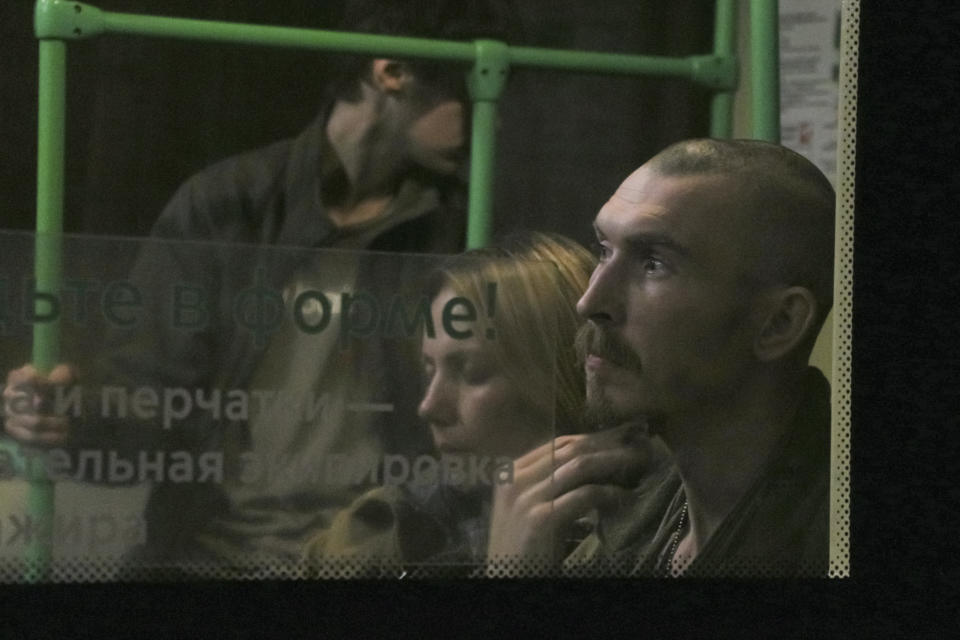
593 339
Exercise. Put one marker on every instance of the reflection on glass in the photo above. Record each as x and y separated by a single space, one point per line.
244 411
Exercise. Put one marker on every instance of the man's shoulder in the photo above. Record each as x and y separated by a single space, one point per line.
247 170
229 199
244 178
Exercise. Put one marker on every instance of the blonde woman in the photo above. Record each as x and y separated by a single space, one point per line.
491 393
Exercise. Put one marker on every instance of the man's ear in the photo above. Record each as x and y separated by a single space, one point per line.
390 75
789 318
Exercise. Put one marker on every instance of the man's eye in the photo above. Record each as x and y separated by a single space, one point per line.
654 266
601 250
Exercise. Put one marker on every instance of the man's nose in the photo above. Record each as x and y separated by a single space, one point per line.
600 301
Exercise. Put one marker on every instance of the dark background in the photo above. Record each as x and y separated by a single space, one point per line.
904 456
144 114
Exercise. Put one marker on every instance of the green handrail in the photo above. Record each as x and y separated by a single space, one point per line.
51 107
724 47
765 69
58 21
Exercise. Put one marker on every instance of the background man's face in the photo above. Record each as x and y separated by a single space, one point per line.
437 140
669 328
437 136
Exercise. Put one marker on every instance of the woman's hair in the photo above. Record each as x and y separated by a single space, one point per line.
539 277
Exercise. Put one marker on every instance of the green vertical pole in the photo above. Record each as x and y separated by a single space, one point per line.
486 82
51 114
482 148
765 69
724 45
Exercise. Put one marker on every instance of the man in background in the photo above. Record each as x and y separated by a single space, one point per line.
378 170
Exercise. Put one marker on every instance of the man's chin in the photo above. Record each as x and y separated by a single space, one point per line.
603 411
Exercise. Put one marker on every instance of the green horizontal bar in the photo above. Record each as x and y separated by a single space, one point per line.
287 37
61 20
56 19
603 62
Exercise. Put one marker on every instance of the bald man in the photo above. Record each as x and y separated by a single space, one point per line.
714 279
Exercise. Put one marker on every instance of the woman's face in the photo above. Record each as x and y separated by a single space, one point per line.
470 404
